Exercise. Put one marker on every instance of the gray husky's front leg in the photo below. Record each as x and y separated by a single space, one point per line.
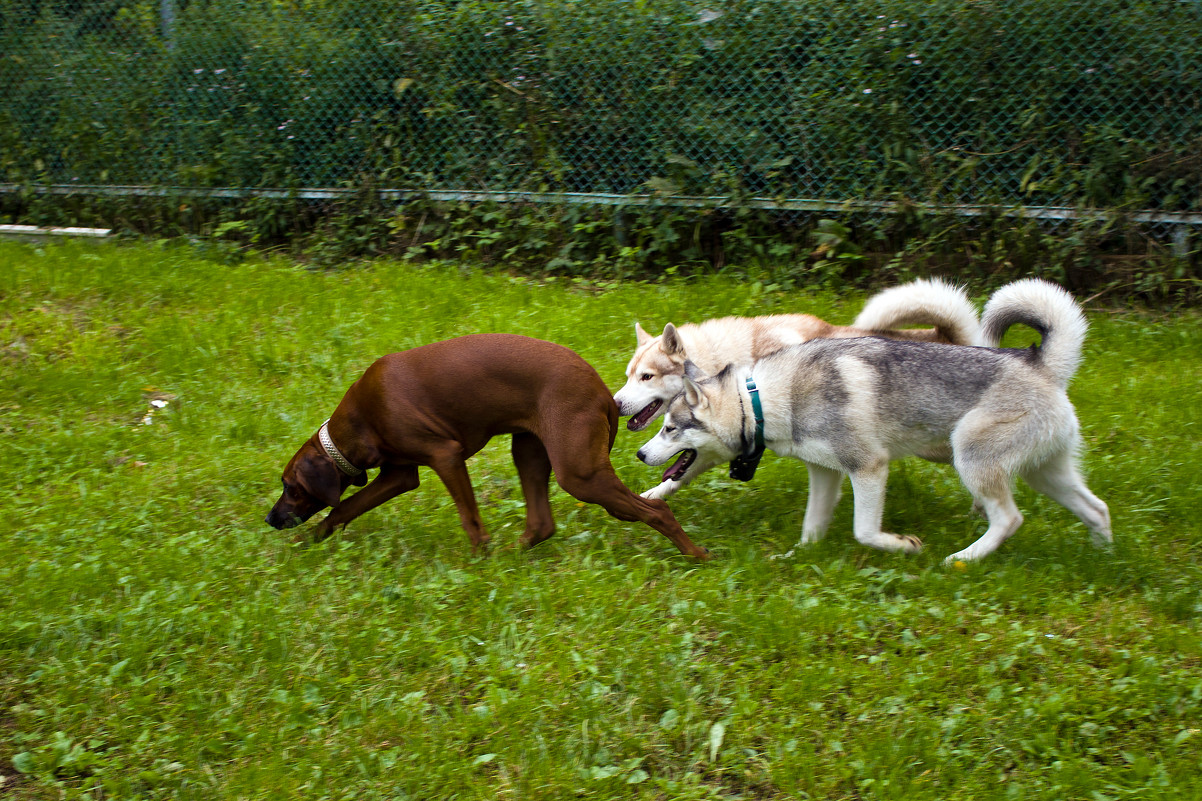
820 507
671 487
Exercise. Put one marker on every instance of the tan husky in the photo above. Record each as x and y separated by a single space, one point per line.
656 372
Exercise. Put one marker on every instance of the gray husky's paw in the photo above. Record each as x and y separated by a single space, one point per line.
884 541
664 490
907 543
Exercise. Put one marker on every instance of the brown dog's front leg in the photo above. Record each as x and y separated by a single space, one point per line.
391 482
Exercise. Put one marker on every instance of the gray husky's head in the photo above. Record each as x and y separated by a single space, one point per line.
706 418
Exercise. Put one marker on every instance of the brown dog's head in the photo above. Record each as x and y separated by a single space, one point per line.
311 483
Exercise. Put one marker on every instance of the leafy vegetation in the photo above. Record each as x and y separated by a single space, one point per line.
1034 101
158 641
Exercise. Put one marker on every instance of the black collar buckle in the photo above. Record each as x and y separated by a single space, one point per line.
743 466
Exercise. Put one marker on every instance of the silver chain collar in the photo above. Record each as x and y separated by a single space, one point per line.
344 465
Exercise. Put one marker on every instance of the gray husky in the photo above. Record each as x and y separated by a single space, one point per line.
655 374
853 405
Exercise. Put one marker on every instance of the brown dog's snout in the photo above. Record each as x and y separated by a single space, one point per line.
281 520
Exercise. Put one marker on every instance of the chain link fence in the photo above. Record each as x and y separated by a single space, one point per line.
1041 107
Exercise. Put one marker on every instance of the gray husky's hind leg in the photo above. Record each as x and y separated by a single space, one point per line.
1059 479
868 489
990 488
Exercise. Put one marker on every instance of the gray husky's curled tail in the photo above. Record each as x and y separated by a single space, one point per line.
1049 310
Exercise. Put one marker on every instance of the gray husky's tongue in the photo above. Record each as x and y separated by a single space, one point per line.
681 465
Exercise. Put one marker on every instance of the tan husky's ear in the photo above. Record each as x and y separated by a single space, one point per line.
671 341
642 336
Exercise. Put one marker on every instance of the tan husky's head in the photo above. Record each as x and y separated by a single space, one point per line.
654 376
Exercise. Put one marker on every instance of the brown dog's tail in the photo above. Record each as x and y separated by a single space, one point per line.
612 417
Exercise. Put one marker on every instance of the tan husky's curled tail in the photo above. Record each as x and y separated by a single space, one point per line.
926 301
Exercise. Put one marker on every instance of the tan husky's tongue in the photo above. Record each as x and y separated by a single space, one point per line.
639 421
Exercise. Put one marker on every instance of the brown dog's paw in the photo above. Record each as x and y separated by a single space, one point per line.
322 531
532 538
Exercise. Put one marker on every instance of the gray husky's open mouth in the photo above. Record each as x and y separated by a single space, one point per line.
640 420
681 465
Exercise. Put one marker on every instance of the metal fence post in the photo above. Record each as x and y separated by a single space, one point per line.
167 9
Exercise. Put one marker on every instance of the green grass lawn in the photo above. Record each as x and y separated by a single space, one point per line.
158 640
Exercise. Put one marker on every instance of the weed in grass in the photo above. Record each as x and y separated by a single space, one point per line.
157 641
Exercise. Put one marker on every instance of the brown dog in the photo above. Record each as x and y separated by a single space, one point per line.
437 405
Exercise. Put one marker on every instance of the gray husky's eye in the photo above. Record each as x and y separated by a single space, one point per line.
669 429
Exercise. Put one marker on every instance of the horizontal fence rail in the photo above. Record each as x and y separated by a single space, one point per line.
594 199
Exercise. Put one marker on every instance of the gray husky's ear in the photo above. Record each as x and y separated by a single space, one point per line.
694 397
693 372
725 375
642 336
671 341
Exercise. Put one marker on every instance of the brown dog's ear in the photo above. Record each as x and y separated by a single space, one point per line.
671 341
642 336
320 478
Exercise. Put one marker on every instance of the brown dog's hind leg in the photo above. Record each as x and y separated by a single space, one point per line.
448 463
606 490
583 469
391 482
534 472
